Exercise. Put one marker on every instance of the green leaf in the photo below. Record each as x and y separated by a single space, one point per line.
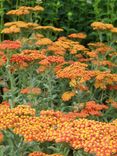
2 149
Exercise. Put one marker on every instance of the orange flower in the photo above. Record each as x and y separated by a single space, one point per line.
104 49
42 68
92 54
5 103
67 96
103 79
101 26
10 30
43 154
89 108
78 84
48 28
78 35
34 91
77 71
18 24
24 10
43 42
57 50
92 136
7 44
37 8
97 44
114 30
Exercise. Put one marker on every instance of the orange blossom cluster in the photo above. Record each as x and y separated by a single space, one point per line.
7 44
23 10
94 137
43 154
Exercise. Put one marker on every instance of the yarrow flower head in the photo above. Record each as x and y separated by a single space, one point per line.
8 44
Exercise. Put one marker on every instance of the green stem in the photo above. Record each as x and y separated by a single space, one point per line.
50 89
11 79
1 20
17 3
100 36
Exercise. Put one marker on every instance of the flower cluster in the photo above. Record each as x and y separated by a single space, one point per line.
7 44
101 26
89 74
103 79
16 27
43 154
26 57
93 136
24 10
48 28
77 35
43 41
89 108
66 96
76 70
33 91
104 26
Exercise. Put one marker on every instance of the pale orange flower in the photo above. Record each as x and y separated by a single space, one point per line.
49 28
78 35
101 26
67 95
10 30
114 30
43 42
34 91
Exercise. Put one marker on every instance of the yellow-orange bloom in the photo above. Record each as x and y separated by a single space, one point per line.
78 35
114 30
24 10
10 30
49 28
67 95
44 41
43 154
101 26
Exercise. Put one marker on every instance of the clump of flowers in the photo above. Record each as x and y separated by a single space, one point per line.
24 10
66 96
103 79
43 41
93 136
43 154
16 27
88 72
21 110
24 58
52 28
33 91
7 44
89 108
77 35
101 26
77 71
11 30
